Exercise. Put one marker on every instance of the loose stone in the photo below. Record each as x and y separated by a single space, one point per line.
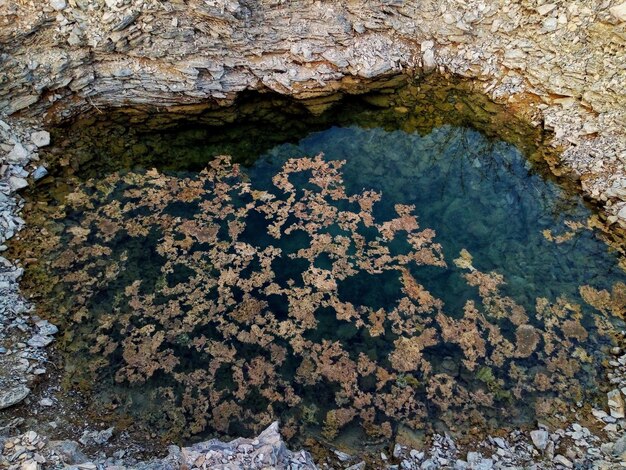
96 437
40 341
619 448
549 24
58 5
41 138
46 328
540 438
546 8
357 466
616 404
16 183
562 460
39 173
13 396
342 456
18 155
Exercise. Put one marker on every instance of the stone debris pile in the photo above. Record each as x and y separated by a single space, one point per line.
266 451
573 447
31 451
22 337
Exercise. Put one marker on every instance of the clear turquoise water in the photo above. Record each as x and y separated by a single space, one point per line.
476 193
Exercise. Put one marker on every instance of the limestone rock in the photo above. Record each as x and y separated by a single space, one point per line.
540 438
40 341
19 155
562 460
357 466
30 465
247 453
46 328
428 57
41 138
619 448
70 452
16 183
549 25
616 404
13 396
21 102
58 5
96 437
546 8
619 11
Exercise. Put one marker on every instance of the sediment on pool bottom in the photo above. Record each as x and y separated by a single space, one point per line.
238 295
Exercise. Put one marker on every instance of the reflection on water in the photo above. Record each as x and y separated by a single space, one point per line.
395 280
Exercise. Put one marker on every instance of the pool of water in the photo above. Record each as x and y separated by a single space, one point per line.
351 284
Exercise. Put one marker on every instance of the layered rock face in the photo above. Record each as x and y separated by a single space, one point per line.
560 64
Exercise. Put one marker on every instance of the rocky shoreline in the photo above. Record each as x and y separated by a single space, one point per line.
559 65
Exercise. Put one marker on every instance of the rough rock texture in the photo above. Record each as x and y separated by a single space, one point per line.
32 451
60 58
561 64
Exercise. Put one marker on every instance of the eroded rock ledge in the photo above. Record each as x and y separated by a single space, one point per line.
559 65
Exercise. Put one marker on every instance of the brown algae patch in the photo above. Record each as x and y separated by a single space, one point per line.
218 339
413 278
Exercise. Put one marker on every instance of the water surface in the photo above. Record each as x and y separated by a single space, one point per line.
354 283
